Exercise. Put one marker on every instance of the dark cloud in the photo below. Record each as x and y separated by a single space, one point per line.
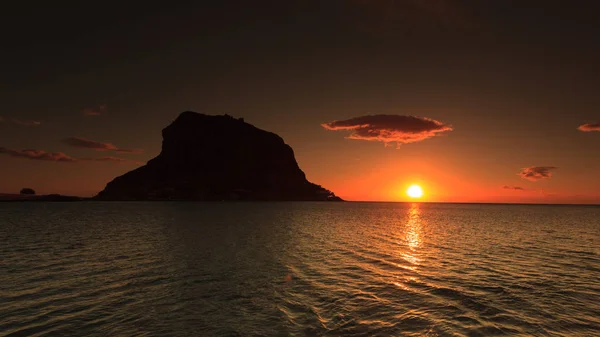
94 112
535 173
98 146
389 128
516 188
112 160
21 122
26 123
60 157
38 155
589 127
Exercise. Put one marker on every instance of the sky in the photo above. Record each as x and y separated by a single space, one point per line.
476 101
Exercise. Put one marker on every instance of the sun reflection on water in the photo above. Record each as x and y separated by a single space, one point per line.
413 227
410 252
412 237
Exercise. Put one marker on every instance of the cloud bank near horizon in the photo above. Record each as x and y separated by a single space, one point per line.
397 129
588 127
60 156
516 188
21 122
38 155
80 142
535 173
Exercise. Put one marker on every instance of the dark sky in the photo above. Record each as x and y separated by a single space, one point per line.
513 79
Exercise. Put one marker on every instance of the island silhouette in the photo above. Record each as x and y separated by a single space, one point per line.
217 158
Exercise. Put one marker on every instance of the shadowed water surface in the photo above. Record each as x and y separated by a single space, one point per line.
298 269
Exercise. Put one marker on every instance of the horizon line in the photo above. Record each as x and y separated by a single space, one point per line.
475 203
359 201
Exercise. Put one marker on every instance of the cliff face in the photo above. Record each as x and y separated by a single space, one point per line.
217 158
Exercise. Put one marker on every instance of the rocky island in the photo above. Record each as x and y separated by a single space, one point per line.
214 158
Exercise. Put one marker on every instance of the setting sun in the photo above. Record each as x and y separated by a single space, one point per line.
414 191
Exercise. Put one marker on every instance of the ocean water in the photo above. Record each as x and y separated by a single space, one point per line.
298 269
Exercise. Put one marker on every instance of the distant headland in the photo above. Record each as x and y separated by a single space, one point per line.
217 158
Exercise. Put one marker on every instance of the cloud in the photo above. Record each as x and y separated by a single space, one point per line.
589 127
60 157
21 122
516 188
26 123
535 173
389 128
112 160
94 112
38 155
98 146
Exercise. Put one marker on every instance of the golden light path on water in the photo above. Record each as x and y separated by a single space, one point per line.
413 227
412 240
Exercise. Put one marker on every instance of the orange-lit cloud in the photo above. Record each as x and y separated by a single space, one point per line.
516 188
589 127
26 123
98 146
535 173
389 128
59 156
94 112
38 155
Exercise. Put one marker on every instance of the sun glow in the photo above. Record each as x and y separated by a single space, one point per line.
414 191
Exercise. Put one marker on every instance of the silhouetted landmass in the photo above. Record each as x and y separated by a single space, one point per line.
217 158
28 191
47 197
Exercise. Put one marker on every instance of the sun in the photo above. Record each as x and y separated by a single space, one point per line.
414 191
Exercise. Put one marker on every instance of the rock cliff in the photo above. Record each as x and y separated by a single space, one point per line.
217 158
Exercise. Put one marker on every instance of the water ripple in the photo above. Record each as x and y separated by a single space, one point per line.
298 269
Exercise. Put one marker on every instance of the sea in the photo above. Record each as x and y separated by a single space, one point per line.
298 269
